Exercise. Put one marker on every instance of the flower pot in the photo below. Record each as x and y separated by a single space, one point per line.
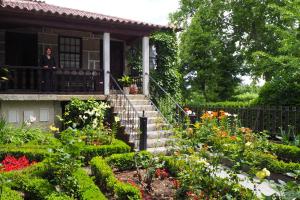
133 89
126 90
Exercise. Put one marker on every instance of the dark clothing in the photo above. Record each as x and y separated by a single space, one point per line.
48 74
44 61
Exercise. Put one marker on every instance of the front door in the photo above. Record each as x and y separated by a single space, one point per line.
117 59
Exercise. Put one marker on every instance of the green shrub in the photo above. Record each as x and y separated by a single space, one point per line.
286 152
86 188
117 146
24 134
81 113
58 196
105 177
35 188
32 152
9 194
124 161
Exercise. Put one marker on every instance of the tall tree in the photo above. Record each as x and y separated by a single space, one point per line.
207 50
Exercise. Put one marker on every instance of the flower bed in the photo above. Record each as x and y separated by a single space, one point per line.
11 163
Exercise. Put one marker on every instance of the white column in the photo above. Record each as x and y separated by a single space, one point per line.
106 62
146 66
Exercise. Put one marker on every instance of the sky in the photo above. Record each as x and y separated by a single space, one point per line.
152 11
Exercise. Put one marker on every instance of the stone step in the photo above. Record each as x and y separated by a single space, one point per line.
137 108
153 134
134 102
154 143
150 120
156 127
160 150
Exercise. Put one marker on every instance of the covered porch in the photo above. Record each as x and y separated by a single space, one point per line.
88 49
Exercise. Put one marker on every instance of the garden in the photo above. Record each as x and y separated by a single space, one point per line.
86 161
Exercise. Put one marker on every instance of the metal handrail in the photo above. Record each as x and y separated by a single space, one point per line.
169 96
119 87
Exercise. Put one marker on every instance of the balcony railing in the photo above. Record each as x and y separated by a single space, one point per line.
36 80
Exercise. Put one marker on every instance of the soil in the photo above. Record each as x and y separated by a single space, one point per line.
162 189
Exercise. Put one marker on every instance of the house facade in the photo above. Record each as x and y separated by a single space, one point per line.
88 49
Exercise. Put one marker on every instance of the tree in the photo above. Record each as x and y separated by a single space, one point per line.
207 52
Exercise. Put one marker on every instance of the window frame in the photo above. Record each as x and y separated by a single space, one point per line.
69 52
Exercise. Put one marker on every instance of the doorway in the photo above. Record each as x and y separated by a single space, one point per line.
21 49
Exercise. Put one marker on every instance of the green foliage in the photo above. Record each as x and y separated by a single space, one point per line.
125 161
80 114
32 152
61 167
117 146
24 134
134 59
285 84
166 72
125 81
58 196
36 188
9 194
86 187
224 104
105 177
286 152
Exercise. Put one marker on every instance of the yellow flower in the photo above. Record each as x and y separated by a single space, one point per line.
53 128
197 125
263 173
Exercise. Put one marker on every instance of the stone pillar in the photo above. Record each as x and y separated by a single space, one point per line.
146 66
106 62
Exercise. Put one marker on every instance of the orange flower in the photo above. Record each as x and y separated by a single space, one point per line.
215 114
223 134
233 137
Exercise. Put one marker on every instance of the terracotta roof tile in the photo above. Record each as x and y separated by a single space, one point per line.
41 6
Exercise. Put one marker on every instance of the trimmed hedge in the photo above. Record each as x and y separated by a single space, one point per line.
36 188
124 161
87 188
117 146
286 152
106 179
32 152
9 194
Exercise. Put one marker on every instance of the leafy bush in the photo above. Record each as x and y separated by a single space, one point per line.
79 113
286 152
117 146
32 152
86 188
58 196
24 134
105 177
125 161
9 194
283 89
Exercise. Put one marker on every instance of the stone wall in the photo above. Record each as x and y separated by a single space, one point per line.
17 112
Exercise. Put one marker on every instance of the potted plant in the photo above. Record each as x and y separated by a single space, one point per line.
126 82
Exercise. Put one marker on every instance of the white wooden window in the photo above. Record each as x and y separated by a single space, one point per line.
13 116
44 115
29 116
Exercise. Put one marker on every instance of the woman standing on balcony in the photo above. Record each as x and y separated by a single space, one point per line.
47 61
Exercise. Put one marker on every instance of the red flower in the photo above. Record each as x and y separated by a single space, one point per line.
176 183
161 173
11 163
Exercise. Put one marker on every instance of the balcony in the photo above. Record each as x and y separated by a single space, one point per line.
37 80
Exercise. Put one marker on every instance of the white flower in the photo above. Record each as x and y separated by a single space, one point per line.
28 123
235 115
227 114
84 117
74 125
189 112
210 112
248 144
32 119
203 161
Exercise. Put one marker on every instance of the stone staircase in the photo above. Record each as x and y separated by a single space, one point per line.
158 132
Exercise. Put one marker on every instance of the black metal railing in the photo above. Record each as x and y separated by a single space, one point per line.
130 118
166 104
27 80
